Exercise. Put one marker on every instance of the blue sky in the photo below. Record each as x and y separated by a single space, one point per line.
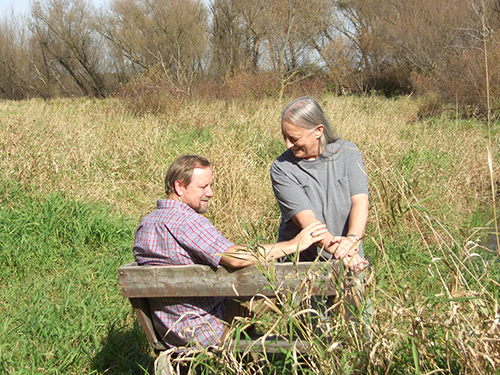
23 6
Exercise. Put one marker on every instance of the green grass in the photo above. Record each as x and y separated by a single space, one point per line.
62 311
68 169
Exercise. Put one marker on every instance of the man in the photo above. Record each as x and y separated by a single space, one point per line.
176 233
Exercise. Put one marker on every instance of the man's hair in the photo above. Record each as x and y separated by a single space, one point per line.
182 170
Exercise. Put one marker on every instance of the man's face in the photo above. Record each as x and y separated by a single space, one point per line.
197 194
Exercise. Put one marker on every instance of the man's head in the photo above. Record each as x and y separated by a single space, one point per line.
189 180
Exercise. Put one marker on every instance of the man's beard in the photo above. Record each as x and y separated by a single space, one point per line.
200 209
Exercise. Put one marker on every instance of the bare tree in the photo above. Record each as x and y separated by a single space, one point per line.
237 35
14 69
288 26
252 30
392 39
171 33
64 31
226 40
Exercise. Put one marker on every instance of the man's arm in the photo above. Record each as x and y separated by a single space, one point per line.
238 256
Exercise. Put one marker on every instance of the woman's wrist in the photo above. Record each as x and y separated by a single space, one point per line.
354 236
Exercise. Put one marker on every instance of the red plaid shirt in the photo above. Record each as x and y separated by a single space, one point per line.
175 234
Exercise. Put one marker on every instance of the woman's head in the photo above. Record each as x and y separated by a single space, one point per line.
305 113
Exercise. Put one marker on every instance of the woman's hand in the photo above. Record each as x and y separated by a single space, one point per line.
355 263
346 248
311 234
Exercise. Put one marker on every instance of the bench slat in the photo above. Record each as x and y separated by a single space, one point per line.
165 366
202 281
272 346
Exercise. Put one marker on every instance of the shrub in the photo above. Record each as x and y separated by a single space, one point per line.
152 92
430 105
311 86
460 79
243 85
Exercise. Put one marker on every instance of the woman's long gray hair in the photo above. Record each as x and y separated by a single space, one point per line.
307 113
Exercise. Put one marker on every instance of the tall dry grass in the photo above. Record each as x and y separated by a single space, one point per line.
434 286
95 150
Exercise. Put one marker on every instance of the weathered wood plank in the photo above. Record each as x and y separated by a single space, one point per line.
141 308
164 365
202 281
271 346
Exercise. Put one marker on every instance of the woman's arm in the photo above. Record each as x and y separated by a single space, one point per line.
238 256
357 224
342 247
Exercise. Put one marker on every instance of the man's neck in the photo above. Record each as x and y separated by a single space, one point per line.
174 197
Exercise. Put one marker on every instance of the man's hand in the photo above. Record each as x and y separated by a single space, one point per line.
311 234
239 256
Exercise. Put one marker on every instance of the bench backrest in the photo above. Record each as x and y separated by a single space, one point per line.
138 283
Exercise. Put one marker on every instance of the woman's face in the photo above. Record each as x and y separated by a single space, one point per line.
305 144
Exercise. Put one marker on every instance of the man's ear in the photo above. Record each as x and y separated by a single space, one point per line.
178 187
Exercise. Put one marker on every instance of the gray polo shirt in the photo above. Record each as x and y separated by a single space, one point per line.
324 185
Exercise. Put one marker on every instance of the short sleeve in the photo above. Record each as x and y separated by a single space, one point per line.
206 243
289 194
358 181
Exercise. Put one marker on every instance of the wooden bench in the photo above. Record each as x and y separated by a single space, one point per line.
138 283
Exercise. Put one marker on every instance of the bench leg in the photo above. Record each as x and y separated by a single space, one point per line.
163 365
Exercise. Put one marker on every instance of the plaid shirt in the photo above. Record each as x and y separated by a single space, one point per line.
174 234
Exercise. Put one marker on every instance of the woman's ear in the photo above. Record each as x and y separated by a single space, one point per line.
319 131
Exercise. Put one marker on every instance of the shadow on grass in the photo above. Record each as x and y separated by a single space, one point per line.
124 351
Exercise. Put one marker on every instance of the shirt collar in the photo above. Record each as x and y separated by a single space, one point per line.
171 203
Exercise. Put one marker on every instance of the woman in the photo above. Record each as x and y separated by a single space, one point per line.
320 177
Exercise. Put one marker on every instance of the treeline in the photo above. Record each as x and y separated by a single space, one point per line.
254 48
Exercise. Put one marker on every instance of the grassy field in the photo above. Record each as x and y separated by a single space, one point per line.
76 176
